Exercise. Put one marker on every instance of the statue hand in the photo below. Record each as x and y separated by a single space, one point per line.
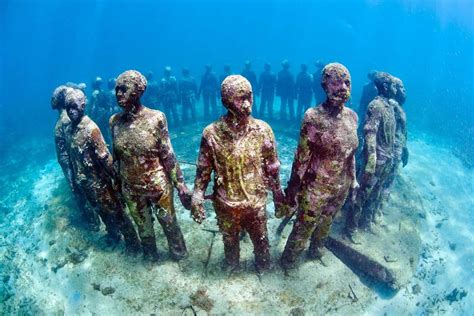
185 196
281 210
198 213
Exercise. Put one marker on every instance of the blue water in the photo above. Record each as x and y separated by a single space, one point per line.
428 44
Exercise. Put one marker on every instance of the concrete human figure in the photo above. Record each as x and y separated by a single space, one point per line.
267 85
99 108
111 99
187 94
209 91
58 100
401 135
241 152
226 72
92 172
319 94
169 95
152 93
304 90
146 167
250 75
285 89
377 157
323 170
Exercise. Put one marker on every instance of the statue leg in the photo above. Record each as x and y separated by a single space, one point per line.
140 211
255 223
166 215
230 229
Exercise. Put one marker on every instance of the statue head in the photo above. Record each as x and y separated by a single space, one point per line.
336 82
75 102
237 96
58 98
400 94
97 83
129 88
385 84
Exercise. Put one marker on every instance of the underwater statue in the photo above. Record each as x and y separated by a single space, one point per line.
146 168
150 97
169 95
99 107
266 88
111 99
187 94
323 171
92 172
400 142
378 156
303 90
250 75
319 94
209 91
241 151
285 89
226 72
58 100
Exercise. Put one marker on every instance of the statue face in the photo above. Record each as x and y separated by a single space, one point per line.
75 105
237 95
336 82
129 88
126 95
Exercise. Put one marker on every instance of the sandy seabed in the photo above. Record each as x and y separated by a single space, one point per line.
51 265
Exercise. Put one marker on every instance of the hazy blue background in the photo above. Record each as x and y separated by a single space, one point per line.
428 44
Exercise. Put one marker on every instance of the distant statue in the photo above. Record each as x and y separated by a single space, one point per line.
401 135
209 91
58 102
378 155
169 95
250 75
285 89
323 170
226 72
304 90
188 91
92 172
99 108
146 167
111 100
266 88
319 94
241 153
152 93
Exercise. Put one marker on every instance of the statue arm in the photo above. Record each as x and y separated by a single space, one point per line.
203 177
301 160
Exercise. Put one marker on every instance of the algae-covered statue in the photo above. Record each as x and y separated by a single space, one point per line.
188 91
146 167
378 153
241 151
92 171
400 141
60 138
169 95
209 90
323 171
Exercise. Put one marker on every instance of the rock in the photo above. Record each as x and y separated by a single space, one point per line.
416 289
202 300
297 311
96 286
455 295
107 290
452 246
